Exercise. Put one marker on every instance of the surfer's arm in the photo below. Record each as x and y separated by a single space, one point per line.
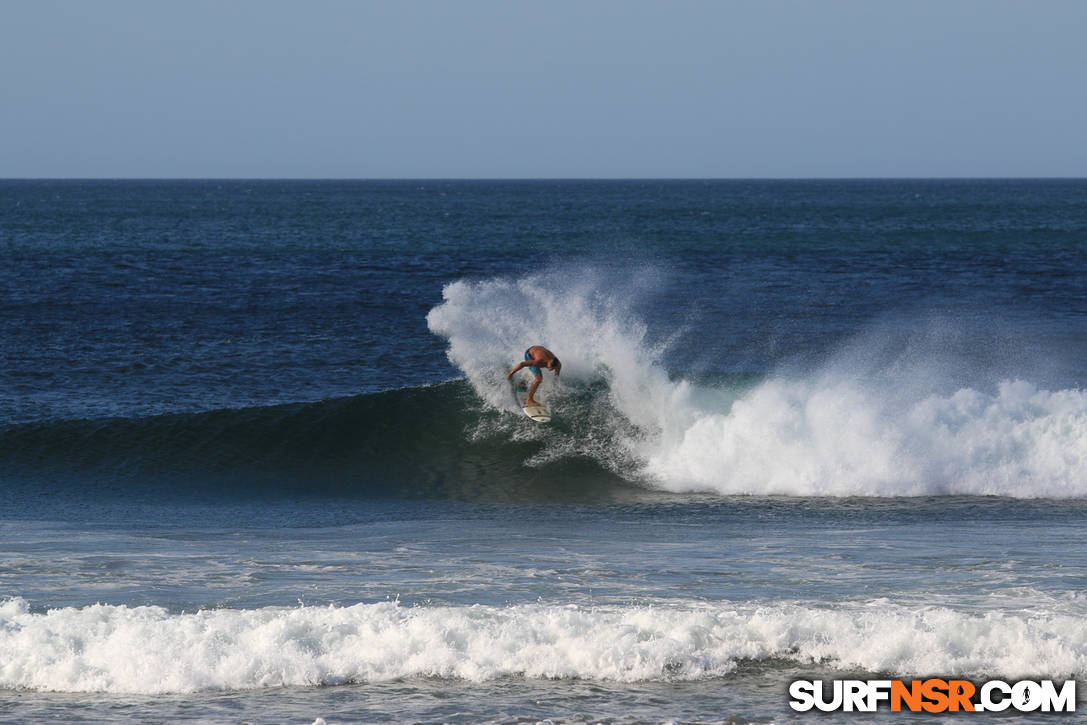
518 367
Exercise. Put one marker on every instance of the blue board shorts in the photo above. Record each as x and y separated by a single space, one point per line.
535 371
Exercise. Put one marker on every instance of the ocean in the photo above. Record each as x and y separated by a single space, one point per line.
259 462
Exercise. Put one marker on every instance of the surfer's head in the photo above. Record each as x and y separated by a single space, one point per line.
554 364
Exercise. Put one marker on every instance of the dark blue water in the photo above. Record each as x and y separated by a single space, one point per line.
260 430
147 297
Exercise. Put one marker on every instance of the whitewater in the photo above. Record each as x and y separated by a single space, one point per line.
875 419
148 650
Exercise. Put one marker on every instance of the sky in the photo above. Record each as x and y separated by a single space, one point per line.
543 89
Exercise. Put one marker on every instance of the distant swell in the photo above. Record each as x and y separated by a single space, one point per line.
149 650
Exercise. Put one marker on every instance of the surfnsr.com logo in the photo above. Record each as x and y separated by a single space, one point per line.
932 695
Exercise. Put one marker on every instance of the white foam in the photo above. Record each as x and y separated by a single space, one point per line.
490 323
836 436
148 650
858 426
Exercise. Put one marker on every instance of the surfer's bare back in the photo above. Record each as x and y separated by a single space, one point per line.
537 357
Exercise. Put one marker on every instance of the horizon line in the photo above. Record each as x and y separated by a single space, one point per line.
542 178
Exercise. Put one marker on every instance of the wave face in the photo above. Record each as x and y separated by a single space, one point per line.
416 442
885 417
148 650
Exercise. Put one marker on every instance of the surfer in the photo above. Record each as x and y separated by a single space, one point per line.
537 357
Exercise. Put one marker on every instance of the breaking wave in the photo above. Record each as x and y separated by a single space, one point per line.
882 418
149 650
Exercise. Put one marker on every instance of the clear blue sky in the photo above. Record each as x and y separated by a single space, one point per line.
554 88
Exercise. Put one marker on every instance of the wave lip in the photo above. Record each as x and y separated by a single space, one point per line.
147 650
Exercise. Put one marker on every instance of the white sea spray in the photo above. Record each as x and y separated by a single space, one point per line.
869 423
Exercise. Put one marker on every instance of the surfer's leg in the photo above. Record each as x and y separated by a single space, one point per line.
532 390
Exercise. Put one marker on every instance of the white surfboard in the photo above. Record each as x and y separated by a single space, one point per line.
538 413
